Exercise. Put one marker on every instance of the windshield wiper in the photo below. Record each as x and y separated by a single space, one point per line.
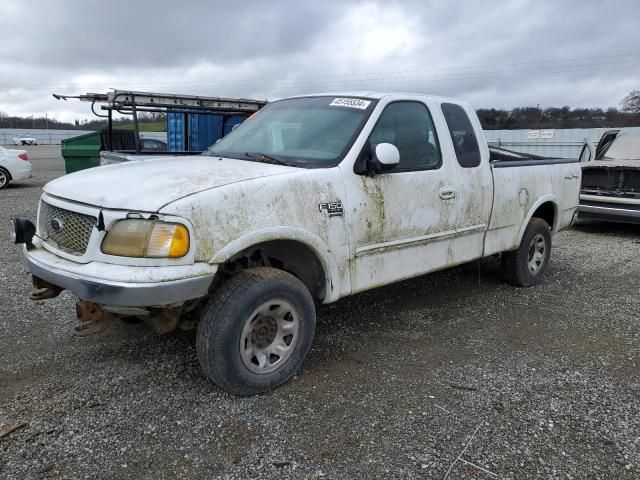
261 157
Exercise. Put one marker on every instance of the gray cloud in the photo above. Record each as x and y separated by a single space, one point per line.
502 54
93 35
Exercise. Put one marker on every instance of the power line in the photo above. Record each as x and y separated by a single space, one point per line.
433 78
441 40
52 86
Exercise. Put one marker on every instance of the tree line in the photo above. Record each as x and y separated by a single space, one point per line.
26 123
565 117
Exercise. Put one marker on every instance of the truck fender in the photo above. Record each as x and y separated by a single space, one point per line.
542 200
315 243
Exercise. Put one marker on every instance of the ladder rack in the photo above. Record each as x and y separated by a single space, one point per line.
128 102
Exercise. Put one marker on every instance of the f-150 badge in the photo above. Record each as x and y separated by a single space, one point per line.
334 209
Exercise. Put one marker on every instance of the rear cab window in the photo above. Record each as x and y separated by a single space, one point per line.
463 135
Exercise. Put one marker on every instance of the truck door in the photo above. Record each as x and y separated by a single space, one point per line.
476 182
402 222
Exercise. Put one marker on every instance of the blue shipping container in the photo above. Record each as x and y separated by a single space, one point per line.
204 130
231 122
175 131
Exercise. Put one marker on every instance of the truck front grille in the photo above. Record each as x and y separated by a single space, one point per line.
613 181
69 231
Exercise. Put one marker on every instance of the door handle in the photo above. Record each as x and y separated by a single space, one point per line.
447 193
571 177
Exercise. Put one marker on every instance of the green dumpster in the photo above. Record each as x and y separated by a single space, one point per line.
81 152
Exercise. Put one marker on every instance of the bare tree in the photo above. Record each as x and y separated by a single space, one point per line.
631 103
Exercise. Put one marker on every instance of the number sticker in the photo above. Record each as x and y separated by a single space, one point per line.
350 102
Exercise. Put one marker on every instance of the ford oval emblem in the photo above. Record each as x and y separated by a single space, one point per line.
56 225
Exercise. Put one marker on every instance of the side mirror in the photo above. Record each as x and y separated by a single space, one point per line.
385 157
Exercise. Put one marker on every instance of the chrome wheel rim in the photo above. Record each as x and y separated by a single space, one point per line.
537 253
269 336
3 179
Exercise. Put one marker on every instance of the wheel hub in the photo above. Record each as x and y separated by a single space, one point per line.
269 336
264 332
537 253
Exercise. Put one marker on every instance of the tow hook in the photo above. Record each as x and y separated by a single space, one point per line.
46 290
92 319
96 318
165 321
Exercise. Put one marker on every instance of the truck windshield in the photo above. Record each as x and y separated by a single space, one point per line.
626 146
302 132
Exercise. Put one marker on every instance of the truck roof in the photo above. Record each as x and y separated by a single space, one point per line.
375 95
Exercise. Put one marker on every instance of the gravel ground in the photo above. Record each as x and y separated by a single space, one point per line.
401 382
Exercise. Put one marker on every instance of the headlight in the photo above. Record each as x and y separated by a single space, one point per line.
147 238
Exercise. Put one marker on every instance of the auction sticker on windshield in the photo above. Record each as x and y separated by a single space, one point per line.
350 102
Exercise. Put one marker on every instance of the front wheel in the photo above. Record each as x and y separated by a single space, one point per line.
256 331
526 266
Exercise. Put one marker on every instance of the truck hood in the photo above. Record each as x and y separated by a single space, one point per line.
149 186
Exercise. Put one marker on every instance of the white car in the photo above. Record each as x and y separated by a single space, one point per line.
24 141
14 165
313 199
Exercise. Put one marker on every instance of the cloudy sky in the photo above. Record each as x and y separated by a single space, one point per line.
495 54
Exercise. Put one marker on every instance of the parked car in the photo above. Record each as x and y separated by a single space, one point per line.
610 188
313 199
14 165
153 145
24 141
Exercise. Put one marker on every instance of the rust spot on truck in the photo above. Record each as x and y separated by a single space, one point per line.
94 318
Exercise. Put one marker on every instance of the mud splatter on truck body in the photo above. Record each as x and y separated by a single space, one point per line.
317 197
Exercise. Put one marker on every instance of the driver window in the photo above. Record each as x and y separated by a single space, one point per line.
409 127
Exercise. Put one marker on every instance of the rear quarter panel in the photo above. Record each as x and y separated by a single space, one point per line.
520 191
17 168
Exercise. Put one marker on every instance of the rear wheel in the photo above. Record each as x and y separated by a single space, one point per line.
5 178
526 266
256 331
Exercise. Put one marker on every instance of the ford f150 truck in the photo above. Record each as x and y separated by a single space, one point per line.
313 199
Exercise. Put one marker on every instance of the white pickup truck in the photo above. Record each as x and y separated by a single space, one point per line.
313 199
